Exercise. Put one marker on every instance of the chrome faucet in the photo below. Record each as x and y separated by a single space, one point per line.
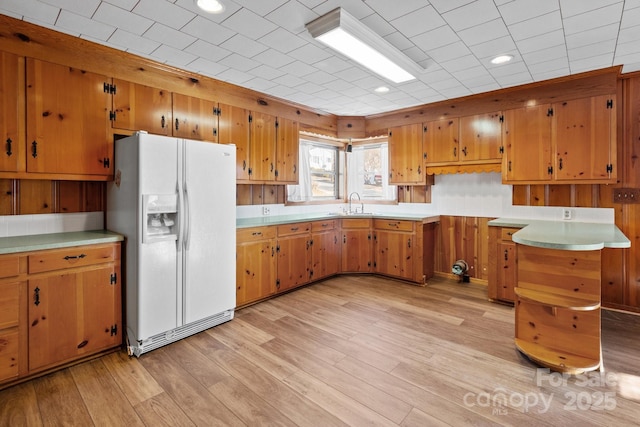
361 203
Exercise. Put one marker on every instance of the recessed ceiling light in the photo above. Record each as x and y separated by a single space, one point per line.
501 59
210 6
381 89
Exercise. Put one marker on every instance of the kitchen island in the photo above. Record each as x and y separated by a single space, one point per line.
557 296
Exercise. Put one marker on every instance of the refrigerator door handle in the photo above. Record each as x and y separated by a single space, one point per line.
180 217
187 218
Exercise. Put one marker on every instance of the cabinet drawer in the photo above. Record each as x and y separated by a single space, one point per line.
506 233
297 228
254 234
392 224
78 256
323 225
356 223
9 266
9 305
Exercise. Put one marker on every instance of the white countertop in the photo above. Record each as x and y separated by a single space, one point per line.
565 235
37 242
287 219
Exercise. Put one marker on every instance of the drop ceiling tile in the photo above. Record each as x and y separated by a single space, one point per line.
631 62
243 46
273 58
190 5
310 53
399 41
131 22
572 7
292 16
593 36
124 4
310 88
443 6
320 77
472 14
332 64
484 32
631 4
494 47
378 25
84 8
207 50
443 85
542 41
630 18
249 24
266 72
338 85
165 35
606 47
521 10
418 56
627 48
259 84
391 10
239 62
545 55
629 34
484 87
164 12
591 63
209 31
420 21
281 91
449 52
208 68
172 56
289 80
593 19
508 69
32 9
300 69
83 25
235 77
554 66
355 91
359 9
461 64
352 74
536 26
456 92
11 14
133 42
435 76
515 79
282 40
435 39
261 7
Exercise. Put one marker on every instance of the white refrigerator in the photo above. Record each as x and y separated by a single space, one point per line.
174 201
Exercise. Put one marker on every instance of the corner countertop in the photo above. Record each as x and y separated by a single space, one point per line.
565 235
37 242
288 219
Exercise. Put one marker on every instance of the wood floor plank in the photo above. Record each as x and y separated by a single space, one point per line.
161 410
246 331
200 367
100 394
59 400
417 418
19 406
134 381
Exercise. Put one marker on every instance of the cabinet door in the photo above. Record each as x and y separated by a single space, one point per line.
287 151
441 141
507 271
405 154
195 118
67 120
101 310
584 133
356 250
9 328
12 156
393 253
481 137
139 107
325 254
527 142
293 261
233 128
262 146
255 271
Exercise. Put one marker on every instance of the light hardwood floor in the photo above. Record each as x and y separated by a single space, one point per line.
352 350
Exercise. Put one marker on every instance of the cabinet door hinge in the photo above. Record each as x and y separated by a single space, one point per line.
278 248
250 118
424 129
113 279
109 88
501 150
112 116
501 119
550 112
106 163
610 168
114 330
424 156
277 124
390 134
550 170
369 236
216 111
276 173
277 283
609 103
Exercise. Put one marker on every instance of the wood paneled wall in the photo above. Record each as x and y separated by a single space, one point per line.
29 196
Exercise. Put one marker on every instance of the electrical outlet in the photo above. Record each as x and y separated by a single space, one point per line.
566 214
266 210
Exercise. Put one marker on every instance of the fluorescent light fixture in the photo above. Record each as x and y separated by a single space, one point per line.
501 59
347 35
210 6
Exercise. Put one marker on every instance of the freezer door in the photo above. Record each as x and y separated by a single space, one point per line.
158 291
210 229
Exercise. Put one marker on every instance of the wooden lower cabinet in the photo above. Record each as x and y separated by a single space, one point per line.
325 249
503 271
294 255
59 306
255 264
394 244
357 246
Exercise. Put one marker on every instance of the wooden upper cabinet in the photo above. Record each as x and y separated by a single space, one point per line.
441 141
262 147
480 137
12 134
233 128
527 140
584 132
405 154
195 118
138 107
287 151
67 120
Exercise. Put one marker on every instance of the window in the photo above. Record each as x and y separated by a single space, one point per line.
368 172
319 173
